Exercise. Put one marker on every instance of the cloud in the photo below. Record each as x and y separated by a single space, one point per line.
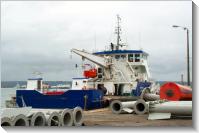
39 35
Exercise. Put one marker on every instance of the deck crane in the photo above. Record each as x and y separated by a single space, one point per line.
101 61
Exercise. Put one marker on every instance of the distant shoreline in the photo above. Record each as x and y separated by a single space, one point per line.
12 84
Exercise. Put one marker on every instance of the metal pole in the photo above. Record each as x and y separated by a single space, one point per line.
188 73
182 79
118 32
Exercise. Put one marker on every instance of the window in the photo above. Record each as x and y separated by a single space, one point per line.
117 57
130 57
137 57
123 56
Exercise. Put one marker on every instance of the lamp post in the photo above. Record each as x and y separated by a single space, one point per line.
187 30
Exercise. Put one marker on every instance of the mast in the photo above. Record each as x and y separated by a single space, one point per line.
118 33
118 29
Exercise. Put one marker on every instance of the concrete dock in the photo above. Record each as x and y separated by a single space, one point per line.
104 117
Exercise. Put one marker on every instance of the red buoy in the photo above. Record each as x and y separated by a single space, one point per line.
175 92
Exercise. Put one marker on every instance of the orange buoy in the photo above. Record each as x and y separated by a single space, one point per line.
175 92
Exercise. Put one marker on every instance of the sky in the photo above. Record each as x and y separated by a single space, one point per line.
38 35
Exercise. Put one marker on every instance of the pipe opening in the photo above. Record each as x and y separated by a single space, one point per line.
55 121
20 122
169 93
39 121
67 119
78 116
140 107
116 106
5 124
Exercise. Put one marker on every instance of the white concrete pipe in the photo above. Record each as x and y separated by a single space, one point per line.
47 110
173 107
37 119
67 117
53 119
10 112
147 96
118 107
151 97
5 121
20 120
77 116
141 107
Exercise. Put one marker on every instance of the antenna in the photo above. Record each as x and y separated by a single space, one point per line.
37 73
118 31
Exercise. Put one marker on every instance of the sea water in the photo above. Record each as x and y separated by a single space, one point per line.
6 94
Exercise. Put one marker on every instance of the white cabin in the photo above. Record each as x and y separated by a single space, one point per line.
35 84
82 84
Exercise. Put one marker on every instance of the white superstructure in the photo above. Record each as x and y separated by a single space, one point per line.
35 84
117 69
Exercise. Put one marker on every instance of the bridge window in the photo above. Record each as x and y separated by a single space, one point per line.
117 57
130 57
137 57
145 57
123 56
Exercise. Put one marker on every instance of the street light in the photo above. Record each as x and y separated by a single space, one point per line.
188 73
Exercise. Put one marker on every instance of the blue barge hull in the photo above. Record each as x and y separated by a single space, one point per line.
89 99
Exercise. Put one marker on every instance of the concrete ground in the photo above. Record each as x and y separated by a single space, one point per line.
104 117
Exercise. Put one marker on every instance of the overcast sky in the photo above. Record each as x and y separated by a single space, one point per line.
38 36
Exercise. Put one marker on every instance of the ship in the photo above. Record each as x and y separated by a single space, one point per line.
116 71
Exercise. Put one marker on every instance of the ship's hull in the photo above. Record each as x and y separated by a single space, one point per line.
86 99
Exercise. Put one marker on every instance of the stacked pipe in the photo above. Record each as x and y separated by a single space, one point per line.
175 92
6 121
43 117
175 108
20 120
118 107
139 107
147 96
15 116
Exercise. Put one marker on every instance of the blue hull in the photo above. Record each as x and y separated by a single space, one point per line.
70 99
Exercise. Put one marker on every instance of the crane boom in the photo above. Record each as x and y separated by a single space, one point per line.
93 58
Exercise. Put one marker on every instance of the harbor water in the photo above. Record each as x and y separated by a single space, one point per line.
6 94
